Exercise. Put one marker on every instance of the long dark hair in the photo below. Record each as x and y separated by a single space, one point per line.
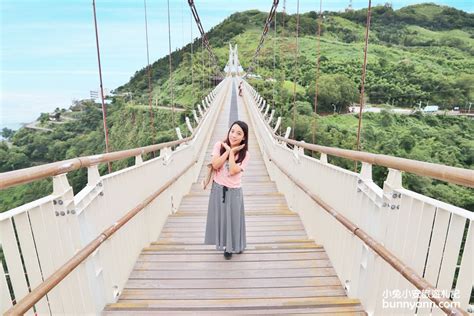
243 152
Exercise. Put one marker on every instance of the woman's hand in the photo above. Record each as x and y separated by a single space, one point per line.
238 148
227 148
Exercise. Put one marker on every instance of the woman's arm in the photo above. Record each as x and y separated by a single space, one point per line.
217 161
233 167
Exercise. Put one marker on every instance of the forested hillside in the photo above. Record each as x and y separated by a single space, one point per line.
422 53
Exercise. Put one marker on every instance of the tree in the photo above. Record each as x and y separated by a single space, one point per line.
335 89
7 133
44 117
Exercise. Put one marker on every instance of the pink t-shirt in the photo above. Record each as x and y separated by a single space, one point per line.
222 175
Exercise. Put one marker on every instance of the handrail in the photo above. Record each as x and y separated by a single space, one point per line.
409 274
27 302
436 171
27 175
41 290
455 175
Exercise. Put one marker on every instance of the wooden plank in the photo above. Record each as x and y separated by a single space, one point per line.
237 283
236 303
250 240
5 299
217 256
300 233
252 228
32 264
286 219
222 294
466 272
354 310
280 272
232 265
256 247
13 259
233 274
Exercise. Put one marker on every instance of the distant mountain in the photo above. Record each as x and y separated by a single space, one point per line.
420 54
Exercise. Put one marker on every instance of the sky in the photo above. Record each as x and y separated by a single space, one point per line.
48 49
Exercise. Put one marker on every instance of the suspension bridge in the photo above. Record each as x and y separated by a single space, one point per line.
321 239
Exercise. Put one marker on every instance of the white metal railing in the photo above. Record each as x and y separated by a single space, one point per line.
45 233
425 234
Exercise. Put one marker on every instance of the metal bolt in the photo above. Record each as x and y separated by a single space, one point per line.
55 202
358 190
384 204
73 212
57 213
100 184
101 193
399 195
62 213
67 212
359 181
392 207
398 207
394 195
60 202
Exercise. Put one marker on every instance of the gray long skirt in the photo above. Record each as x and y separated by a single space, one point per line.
225 225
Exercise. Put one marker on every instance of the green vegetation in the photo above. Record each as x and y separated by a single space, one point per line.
420 53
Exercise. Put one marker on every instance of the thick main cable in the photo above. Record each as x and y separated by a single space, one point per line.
269 20
205 40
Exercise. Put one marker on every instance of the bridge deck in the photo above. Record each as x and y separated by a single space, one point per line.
281 271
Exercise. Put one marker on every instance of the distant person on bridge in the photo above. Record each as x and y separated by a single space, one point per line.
240 88
225 226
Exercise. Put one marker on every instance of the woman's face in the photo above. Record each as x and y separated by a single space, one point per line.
236 135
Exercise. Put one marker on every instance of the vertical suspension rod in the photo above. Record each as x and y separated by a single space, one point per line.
104 109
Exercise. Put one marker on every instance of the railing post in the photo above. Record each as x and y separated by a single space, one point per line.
195 117
60 184
323 158
178 132
200 110
277 125
188 124
266 110
271 117
138 160
93 175
394 181
366 171
287 134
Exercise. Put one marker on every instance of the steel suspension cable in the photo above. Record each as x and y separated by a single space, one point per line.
104 109
274 57
318 56
266 27
296 67
364 67
192 52
282 55
170 66
204 35
149 75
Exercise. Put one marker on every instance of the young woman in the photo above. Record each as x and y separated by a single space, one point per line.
225 225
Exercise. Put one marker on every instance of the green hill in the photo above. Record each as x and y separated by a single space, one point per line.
421 53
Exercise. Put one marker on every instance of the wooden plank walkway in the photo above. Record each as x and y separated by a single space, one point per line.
281 271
